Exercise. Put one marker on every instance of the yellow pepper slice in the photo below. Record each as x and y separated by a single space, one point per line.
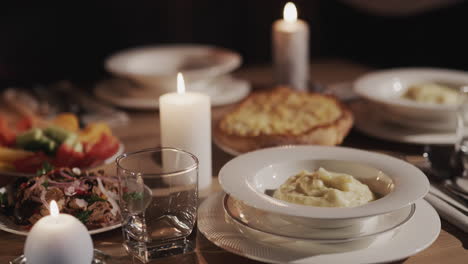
67 121
93 132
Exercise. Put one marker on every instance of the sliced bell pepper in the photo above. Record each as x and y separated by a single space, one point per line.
67 121
93 132
7 135
25 124
107 146
10 155
32 163
68 155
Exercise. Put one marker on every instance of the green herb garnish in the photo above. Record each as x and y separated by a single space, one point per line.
46 168
45 184
133 196
83 216
94 198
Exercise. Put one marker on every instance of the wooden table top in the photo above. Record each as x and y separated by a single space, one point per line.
143 132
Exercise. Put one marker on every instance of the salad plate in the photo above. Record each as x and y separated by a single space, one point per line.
105 162
418 234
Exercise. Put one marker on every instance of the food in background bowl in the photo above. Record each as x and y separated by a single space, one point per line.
432 93
89 196
324 188
283 116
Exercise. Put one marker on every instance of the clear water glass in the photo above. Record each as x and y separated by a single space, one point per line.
158 198
461 143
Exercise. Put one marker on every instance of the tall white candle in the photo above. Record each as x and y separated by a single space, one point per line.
290 38
58 238
186 124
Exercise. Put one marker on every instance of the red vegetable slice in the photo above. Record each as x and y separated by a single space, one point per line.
7 135
32 163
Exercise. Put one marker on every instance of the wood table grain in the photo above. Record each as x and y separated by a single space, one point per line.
143 132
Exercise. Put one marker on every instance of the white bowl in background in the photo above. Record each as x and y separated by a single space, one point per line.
250 176
156 67
386 88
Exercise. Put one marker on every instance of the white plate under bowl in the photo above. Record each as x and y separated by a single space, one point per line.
8 225
222 91
371 123
418 234
156 67
277 225
318 246
387 87
401 120
247 177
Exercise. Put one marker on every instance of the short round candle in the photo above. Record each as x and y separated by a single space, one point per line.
58 238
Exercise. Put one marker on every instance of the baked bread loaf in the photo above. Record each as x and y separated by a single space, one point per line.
283 116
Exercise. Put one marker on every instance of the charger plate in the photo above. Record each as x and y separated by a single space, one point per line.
418 234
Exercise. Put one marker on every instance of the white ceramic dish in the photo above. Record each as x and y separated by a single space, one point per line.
386 88
156 67
276 225
446 125
222 90
248 176
319 246
418 234
371 123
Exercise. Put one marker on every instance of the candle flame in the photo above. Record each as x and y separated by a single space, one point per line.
180 83
54 210
290 12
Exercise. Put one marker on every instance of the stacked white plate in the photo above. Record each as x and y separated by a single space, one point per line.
390 116
248 221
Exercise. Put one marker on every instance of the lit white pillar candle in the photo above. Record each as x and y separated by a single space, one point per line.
58 238
186 124
290 38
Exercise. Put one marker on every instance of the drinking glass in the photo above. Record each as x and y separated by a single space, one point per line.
158 198
461 142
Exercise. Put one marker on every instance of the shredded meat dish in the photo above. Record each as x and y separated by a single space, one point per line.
89 196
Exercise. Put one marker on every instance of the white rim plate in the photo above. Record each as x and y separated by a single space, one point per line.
379 225
7 225
107 161
370 123
222 91
418 234
238 175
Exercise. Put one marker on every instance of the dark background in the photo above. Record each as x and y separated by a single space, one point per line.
44 42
